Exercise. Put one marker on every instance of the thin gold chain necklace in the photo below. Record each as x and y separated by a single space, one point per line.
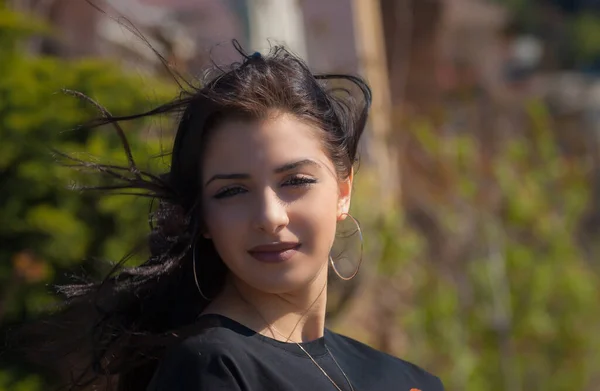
315 361
272 328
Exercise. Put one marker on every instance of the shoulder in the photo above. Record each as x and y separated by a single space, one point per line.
383 360
212 341
209 360
207 345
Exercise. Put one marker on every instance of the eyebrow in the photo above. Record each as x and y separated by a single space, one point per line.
286 167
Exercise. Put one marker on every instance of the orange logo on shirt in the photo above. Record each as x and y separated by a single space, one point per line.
414 389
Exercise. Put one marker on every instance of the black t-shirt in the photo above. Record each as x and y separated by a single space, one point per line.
226 355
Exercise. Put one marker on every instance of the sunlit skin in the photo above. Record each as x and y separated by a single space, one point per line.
271 182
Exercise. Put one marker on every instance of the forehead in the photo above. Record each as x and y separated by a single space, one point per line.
242 144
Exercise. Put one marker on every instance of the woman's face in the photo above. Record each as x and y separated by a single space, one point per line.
271 201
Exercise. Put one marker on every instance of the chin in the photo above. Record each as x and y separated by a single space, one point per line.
281 284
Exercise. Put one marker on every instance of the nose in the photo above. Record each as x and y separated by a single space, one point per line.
271 216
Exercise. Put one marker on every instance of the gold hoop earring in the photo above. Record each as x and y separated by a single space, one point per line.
196 274
358 229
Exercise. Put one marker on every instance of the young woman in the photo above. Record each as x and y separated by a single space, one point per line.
234 294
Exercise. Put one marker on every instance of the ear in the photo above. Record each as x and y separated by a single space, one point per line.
345 194
206 235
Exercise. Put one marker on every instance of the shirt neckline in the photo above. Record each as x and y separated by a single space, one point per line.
315 347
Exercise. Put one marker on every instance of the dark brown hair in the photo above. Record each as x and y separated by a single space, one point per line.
127 318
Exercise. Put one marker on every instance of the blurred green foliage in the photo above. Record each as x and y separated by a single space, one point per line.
519 309
585 30
46 228
573 32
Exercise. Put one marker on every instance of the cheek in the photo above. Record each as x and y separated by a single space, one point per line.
226 232
224 224
316 215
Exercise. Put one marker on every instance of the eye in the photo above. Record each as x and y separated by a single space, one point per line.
300 181
229 192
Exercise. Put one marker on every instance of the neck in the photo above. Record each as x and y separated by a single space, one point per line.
297 316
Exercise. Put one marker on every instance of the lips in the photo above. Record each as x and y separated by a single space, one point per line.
274 252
